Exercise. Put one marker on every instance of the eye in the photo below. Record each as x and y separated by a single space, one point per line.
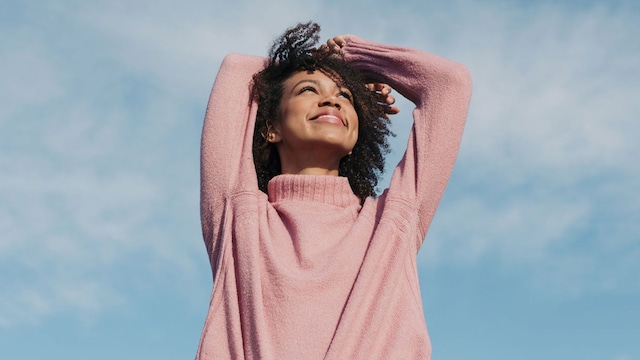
307 88
346 95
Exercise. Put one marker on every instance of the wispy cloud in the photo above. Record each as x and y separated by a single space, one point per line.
546 179
101 120
100 132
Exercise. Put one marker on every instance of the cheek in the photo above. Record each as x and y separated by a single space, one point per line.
355 132
292 109
284 115
282 111
355 121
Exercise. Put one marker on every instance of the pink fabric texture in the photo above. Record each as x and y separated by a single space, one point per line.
307 272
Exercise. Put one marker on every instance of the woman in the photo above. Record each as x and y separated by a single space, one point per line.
307 263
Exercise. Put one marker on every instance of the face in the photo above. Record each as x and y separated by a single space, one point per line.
317 118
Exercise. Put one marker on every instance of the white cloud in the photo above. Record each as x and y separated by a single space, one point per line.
546 179
560 94
101 123
101 118
177 45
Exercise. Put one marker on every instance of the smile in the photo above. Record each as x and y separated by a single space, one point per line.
330 119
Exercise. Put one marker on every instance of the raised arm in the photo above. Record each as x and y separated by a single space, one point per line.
441 91
226 163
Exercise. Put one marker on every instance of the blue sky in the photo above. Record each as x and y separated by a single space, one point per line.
534 252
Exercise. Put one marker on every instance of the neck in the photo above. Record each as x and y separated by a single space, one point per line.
310 170
309 164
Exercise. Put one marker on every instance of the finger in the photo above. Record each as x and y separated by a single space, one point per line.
385 99
332 46
337 42
392 110
383 88
390 100
341 40
384 94
377 87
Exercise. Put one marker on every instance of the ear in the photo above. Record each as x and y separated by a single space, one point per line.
273 134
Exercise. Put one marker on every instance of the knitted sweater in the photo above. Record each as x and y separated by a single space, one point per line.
307 272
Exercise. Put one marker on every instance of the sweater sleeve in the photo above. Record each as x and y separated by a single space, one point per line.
441 92
226 161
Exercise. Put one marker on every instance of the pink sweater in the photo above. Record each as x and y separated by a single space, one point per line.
306 272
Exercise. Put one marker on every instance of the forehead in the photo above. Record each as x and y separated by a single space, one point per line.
317 77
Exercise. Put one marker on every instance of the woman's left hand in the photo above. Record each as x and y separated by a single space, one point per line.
385 98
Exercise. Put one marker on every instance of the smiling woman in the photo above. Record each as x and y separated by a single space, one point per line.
318 125
293 59
308 263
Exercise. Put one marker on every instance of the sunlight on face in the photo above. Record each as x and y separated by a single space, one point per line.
317 121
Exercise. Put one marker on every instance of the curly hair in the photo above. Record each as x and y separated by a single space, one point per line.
293 52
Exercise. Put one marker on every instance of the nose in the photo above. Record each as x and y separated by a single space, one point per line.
330 100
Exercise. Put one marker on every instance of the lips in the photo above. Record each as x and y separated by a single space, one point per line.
331 117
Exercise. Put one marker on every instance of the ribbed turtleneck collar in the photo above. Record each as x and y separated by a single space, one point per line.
332 190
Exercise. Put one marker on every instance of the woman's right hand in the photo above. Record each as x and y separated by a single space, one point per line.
335 45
